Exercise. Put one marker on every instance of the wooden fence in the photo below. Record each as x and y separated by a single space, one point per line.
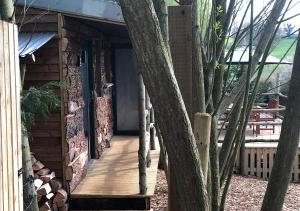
11 185
259 159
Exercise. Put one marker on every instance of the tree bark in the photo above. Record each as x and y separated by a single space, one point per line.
6 10
288 144
148 128
197 66
142 137
29 193
266 35
152 130
157 71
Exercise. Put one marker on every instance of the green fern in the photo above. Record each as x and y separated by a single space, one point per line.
38 101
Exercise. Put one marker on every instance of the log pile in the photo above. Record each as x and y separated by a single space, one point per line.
51 196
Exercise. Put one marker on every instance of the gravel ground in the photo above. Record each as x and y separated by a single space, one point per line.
245 193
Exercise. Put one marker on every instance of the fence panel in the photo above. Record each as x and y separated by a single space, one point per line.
259 162
10 121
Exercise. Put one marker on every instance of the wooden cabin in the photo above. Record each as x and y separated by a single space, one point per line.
93 57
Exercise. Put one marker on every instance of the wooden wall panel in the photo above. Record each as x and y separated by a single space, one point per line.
10 121
46 133
180 29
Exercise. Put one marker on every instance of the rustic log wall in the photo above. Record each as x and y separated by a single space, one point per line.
59 142
73 33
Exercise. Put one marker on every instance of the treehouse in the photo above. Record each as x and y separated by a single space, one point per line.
91 142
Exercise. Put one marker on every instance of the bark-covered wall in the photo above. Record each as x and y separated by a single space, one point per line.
76 152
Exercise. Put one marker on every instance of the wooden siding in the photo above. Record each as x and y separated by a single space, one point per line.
10 120
46 133
36 20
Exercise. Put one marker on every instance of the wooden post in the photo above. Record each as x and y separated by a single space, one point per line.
11 186
242 158
180 34
142 153
148 122
152 130
202 125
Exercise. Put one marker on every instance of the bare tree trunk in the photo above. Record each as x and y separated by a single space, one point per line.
142 137
197 66
268 29
29 193
152 130
288 143
148 122
157 71
6 10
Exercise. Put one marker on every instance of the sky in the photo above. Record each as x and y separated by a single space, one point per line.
295 9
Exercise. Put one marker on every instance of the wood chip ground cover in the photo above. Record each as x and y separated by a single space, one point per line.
245 193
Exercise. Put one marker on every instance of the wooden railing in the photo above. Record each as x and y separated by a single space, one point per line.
259 160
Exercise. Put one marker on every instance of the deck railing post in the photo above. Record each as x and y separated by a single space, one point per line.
148 123
152 130
142 153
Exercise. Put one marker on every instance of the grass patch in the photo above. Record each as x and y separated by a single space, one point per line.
282 46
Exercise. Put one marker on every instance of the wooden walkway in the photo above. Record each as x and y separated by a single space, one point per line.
115 175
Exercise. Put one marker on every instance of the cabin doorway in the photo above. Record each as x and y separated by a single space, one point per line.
125 91
88 97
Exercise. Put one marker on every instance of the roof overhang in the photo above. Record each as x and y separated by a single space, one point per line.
241 57
97 10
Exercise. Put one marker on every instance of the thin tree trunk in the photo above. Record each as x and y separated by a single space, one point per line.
142 137
214 165
6 10
152 130
148 128
288 144
163 160
29 193
266 35
197 66
228 142
157 71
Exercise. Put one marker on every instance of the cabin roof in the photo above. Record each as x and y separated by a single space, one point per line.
241 56
105 10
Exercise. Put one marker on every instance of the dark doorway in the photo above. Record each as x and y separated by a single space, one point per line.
126 92
87 89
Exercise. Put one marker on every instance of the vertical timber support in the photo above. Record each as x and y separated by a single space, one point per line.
180 30
242 148
148 122
202 125
180 39
11 185
142 153
152 130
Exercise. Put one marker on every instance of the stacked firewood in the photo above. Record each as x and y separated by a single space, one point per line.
50 194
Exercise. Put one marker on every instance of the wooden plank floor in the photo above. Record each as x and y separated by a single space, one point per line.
115 174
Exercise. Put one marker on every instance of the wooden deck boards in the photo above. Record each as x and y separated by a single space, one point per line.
115 174
265 135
